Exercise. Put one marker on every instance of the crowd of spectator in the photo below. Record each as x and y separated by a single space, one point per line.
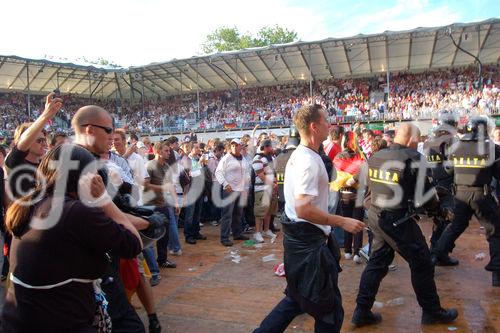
411 96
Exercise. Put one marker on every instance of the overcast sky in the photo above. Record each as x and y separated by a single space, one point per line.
138 32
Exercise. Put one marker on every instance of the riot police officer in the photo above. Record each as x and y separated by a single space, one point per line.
392 174
281 161
474 161
436 151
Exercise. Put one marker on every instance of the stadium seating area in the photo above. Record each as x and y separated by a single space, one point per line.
412 96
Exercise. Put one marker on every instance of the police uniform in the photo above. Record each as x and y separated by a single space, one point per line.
392 175
280 164
474 161
436 151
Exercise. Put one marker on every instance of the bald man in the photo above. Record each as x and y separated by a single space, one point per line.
93 128
394 179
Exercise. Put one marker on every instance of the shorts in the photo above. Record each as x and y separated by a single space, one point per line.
265 204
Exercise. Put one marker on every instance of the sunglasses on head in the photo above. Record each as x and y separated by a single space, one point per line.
108 130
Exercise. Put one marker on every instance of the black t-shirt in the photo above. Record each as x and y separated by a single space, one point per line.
18 169
75 247
2 192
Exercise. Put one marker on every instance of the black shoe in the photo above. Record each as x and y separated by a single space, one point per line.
168 264
154 326
241 237
440 317
496 279
226 243
200 237
248 230
443 260
191 241
365 317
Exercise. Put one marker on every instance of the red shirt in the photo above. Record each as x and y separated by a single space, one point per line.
332 149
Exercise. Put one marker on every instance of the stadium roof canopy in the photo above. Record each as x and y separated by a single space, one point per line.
358 56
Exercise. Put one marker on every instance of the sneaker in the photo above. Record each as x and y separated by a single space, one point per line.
191 241
247 230
357 259
154 326
443 260
442 316
347 256
175 253
201 224
258 237
365 317
393 267
226 243
168 264
200 237
269 234
155 280
215 223
241 237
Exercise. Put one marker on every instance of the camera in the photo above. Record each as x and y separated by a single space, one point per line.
57 93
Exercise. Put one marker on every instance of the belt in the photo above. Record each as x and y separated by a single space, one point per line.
469 188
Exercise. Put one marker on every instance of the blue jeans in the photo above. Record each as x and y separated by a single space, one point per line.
150 257
231 218
282 315
192 219
162 243
173 237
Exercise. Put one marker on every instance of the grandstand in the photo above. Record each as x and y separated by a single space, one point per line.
180 95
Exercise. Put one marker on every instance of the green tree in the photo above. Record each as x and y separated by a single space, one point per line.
229 38
274 35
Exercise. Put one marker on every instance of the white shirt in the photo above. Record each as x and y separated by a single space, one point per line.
234 172
138 166
305 173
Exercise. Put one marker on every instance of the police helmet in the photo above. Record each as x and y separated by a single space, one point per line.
477 124
448 119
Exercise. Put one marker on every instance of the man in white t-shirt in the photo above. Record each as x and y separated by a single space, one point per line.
311 262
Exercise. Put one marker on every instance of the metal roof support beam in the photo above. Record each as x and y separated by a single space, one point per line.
96 93
159 77
153 91
67 77
50 78
478 33
286 65
410 46
34 77
230 84
4 59
18 75
267 67
433 49
189 76
347 59
80 81
309 68
247 68
117 87
199 75
234 70
156 85
114 91
369 55
456 48
326 60
175 78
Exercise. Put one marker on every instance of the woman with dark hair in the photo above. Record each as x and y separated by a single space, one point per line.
347 164
61 245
